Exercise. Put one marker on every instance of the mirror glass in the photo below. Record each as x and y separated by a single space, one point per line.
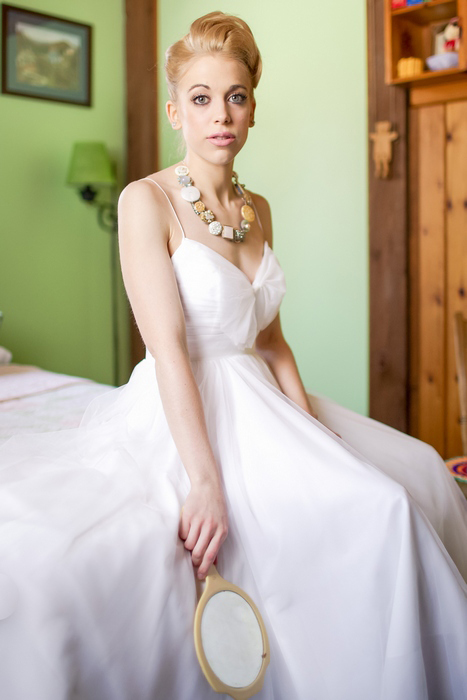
232 639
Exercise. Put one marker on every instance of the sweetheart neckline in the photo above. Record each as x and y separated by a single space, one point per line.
219 255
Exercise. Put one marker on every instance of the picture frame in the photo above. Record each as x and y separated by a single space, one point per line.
45 57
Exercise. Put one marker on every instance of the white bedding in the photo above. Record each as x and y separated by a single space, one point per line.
34 400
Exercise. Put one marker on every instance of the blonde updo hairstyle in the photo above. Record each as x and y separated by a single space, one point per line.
214 33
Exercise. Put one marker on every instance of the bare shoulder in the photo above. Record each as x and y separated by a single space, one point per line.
143 210
264 211
147 270
142 190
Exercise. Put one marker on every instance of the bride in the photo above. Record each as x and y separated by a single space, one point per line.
350 536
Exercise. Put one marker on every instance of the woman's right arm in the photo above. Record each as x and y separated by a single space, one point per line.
150 282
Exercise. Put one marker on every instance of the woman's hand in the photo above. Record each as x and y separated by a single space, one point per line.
203 524
315 415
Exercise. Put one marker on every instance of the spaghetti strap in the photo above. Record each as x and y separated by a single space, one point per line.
168 199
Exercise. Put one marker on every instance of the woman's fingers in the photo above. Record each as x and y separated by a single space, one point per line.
193 534
205 537
203 525
184 525
183 529
210 554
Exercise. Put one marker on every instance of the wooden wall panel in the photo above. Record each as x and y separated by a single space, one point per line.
438 269
456 226
414 272
430 259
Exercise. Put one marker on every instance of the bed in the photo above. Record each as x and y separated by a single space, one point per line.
34 400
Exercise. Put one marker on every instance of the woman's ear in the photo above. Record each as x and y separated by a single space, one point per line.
252 111
171 111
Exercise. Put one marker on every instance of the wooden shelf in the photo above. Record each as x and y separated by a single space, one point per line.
409 31
429 76
425 12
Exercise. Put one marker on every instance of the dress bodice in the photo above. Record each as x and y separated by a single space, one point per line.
224 311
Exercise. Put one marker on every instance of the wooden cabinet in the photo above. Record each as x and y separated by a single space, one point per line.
434 200
409 32
438 268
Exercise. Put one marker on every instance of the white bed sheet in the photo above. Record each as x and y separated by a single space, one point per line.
33 400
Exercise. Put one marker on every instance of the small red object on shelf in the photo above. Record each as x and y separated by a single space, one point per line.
396 4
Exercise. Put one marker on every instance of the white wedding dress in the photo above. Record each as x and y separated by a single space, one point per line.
354 549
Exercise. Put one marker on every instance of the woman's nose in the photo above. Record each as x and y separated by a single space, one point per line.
222 113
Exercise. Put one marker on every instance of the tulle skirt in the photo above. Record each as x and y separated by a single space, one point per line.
353 548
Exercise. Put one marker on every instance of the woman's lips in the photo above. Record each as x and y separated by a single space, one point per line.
221 140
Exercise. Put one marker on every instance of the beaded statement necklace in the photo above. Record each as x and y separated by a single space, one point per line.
191 194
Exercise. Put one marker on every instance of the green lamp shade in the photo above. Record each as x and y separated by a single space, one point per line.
90 164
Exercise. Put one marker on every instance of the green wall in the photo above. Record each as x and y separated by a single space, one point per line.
54 258
307 154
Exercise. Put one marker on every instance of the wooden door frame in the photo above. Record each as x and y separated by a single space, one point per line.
388 219
141 111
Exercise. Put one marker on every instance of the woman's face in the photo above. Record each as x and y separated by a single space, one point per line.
214 97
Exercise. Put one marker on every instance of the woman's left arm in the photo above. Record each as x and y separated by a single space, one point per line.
275 350
270 343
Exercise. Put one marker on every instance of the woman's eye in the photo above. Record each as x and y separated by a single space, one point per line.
241 96
197 98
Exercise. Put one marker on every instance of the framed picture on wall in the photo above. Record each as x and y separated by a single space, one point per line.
45 56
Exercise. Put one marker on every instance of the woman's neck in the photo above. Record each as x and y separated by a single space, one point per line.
213 181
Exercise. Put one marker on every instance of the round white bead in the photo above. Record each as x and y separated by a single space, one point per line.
190 193
181 170
215 227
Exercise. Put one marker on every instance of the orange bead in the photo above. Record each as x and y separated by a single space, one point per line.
248 213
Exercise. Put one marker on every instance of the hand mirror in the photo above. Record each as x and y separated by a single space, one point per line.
230 638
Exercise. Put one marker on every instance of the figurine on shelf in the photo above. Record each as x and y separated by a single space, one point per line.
382 148
446 55
452 35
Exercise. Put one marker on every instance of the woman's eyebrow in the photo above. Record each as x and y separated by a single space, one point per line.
232 87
